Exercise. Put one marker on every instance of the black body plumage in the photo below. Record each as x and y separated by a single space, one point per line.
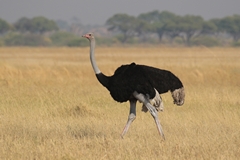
140 78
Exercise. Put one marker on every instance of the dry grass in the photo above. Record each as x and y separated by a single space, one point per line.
52 107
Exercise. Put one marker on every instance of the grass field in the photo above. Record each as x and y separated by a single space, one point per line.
53 107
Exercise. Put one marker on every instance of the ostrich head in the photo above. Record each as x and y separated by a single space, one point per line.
89 36
178 96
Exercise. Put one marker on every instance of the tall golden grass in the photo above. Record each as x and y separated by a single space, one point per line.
53 107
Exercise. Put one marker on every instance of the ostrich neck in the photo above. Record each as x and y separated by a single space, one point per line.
104 80
92 57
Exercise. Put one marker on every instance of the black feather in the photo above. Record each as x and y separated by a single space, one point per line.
140 78
104 80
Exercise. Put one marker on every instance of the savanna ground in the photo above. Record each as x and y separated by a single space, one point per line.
53 107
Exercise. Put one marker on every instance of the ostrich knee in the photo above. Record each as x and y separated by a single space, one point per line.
154 114
131 117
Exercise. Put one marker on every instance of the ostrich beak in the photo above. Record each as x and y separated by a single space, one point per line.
86 36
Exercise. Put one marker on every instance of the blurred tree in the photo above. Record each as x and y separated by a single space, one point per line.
147 19
158 21
62 38
18 39
167 20
23 25
231 25
4 26
191 26
35 25
150 17
129 26
209 28
216 22
42 25
173 27
63 25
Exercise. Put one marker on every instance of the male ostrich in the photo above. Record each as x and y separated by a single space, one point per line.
133 82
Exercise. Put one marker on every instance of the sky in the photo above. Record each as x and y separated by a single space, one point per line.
98 11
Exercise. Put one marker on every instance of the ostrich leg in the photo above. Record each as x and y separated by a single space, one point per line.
143 99
131 117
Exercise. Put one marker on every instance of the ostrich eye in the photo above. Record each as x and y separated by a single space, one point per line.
90 34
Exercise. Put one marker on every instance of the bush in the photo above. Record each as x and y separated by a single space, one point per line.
205 41
236 44
78 42
1 42
15 39
106 41
67 39
62 38
120 38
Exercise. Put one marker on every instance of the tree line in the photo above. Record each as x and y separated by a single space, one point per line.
160 27
170 25
26 32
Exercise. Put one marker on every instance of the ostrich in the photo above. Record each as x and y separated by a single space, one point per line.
134 82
